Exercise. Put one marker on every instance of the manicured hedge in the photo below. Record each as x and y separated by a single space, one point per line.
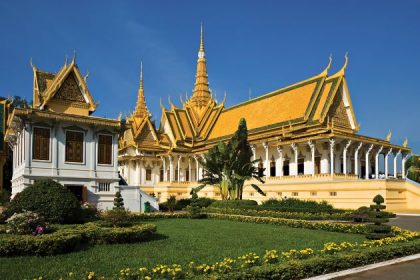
345 216
48 244
299 269
298 205
51 200
184 202
328 226
65 240
159 215
234 203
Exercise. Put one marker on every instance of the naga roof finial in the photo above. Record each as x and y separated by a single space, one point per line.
325 72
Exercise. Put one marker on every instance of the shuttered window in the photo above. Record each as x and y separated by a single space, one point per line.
105 149
74 146
41 143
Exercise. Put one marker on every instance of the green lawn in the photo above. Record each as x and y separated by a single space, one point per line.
179 241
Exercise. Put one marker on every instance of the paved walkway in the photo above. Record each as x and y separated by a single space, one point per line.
407 222
404 271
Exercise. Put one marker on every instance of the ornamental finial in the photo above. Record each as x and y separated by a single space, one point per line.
141 75
325 72
74 57
405 142
388 136
201 38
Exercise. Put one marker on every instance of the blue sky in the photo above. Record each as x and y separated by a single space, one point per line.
257 45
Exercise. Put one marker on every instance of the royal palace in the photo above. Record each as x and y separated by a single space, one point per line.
304 135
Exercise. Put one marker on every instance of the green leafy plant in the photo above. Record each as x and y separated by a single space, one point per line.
378 230
51 200
234 203
26 222
118 201
171 203
194 208
117 217
229 165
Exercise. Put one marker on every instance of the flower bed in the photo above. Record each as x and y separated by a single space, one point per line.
344 216
293 264
65 240
328 226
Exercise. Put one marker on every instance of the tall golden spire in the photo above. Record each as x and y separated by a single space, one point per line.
201 93
141 108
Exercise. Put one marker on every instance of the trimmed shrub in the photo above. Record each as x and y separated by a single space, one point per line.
89 212
184 202
345 216
67 240
323 225
378 230
297 205
118 201
117 217
234 203
48 198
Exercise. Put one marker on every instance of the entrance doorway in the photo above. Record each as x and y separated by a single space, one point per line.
78 191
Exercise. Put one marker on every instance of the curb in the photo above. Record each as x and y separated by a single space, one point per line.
407 214
364 268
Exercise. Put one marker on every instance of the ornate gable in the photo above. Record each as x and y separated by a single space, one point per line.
338 113
70 90
64 92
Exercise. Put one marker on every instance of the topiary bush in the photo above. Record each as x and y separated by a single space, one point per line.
118 201
378 230
117 217
51 200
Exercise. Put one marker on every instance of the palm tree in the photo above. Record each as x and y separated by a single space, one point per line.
229 165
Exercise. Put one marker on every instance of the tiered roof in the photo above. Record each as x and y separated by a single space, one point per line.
319 106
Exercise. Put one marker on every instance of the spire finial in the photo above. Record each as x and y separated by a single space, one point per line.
74 56
141 75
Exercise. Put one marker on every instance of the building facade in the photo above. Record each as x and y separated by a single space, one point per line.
305 136
58 138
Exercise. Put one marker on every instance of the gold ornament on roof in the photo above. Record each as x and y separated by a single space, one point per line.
141 107
388 136
405 142
201 93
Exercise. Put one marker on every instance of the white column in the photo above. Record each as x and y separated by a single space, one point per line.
165 176
179 168
312 147
386 162
196 169
279 162
201 167
189 169
378 152
266 163
254 154
54 152
332 144
171 168
295 163
138 173
356 159
345 156
367 162
395 163
404 157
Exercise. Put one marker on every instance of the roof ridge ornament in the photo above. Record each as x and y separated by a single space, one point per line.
325 72
388 136
343 69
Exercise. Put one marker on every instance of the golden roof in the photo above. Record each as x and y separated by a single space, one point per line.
65 91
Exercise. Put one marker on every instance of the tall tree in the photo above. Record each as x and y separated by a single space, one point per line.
229 165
